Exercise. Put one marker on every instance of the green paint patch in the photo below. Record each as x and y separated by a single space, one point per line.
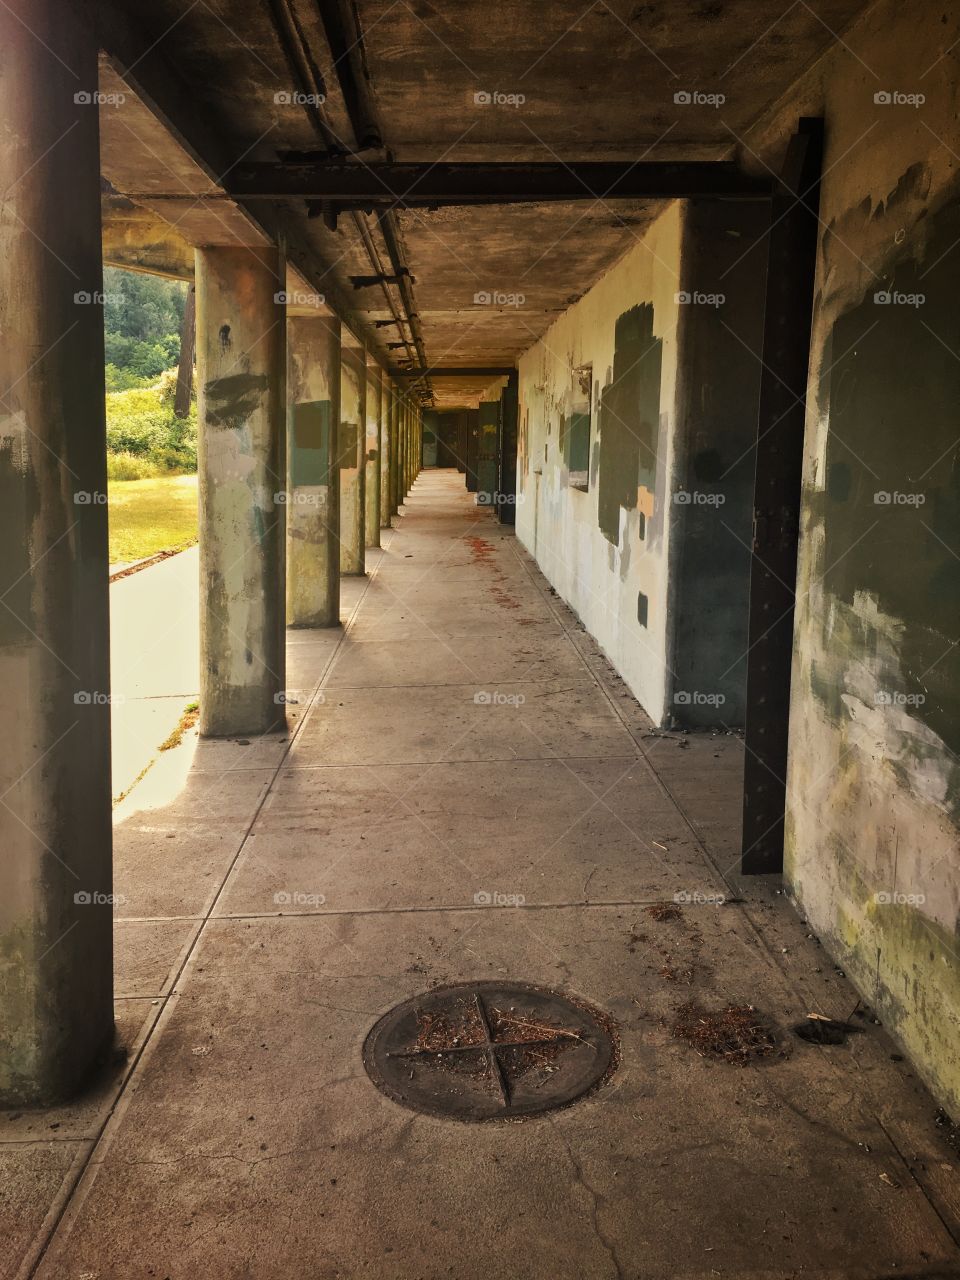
310 443
629 419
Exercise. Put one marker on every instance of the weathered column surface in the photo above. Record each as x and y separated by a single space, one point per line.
56 995
241 368
402 419
352 450
386 450
313 490
374 417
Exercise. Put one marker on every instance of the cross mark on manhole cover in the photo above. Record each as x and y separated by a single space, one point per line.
489 1050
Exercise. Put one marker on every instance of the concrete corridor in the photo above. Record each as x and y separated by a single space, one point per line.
461 744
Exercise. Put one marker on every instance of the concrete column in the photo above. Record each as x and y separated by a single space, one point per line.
395 451
374 418
352 451
401 441
241 367
56 997
407 418
386 446
313 489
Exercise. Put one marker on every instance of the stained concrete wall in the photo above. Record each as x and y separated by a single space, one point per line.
605 374
874 783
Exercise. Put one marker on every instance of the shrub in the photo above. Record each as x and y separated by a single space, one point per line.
128 466
141 423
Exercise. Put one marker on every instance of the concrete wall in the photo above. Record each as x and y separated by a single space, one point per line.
604 545
874 784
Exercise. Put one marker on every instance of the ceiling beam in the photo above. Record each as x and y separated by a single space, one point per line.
406 185
445 371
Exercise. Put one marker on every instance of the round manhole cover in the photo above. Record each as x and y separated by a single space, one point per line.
490 1051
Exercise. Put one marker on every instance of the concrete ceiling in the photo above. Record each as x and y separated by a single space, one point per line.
207 85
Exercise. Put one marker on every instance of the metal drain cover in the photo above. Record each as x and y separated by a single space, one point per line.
489 1051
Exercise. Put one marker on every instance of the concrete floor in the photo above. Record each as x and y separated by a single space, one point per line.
241 1137
154 659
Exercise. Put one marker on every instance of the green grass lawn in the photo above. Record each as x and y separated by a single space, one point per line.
147 516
